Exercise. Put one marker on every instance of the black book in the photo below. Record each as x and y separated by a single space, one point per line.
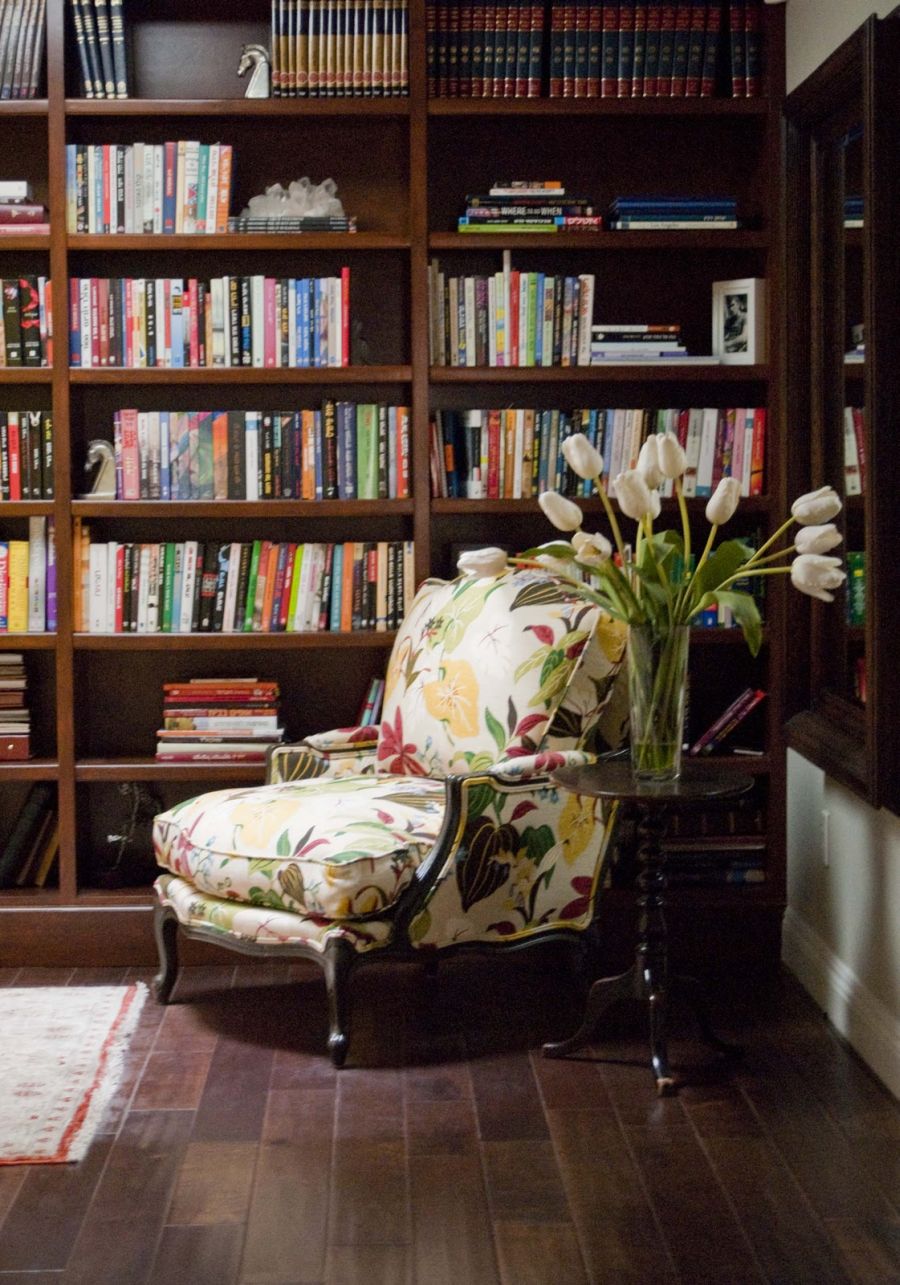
218 614
202 298
7 40
234 319
104 40
382 452
118 159
87 79
48 466
203 552
35 437
11 327
16 849
237 478
329 451
246 323
126 590
93 47
25 457
37 53
4 456
117 30
209 580
287 454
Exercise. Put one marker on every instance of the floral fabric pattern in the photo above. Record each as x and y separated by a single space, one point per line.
479 669
336 848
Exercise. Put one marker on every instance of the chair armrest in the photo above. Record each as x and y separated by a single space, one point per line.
532 767
344 751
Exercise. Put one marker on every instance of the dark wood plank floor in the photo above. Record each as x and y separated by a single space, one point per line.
450 1153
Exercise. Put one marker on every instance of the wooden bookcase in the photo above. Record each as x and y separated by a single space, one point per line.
403 166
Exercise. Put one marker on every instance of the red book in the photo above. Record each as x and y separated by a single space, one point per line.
758 458
128 346
403 487
512 321
169 165
119 590
859 432
14 747
27 215
15 456
103 320
108 217
194 330
493 477
727 721
131 468
95 322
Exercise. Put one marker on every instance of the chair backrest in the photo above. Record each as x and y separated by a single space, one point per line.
484 668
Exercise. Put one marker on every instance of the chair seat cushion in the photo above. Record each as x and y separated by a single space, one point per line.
336 849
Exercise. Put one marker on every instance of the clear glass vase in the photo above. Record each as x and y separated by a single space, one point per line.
657 679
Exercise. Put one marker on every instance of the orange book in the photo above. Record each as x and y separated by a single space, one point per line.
77 598
220 456
224 197
308 459
269 592
347 588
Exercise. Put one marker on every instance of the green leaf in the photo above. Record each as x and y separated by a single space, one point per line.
555 548
420 926
720 566
496 730
478 799
745 612
538 842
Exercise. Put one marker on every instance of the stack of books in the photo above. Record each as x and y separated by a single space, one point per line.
343 451
32 846
15 719
21 47
181 187
26 455
219 720
28 580
288 225
26 322
100 40
673 213
627 342
524 205
20 214
340 48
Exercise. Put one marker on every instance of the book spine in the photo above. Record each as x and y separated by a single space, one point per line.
117 24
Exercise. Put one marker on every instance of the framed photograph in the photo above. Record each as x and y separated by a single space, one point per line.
739 321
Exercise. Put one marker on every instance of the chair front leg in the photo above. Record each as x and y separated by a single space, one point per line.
165 928
337 963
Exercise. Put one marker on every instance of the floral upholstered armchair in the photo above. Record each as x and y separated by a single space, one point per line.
438 829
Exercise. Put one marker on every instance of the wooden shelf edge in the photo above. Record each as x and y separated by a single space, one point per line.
590 504
27 508
25 375
27 642
689 239
287 107
232 642
30 770
674 107
837 745
244 375
350 241
643 372
149 769
313 509
25 241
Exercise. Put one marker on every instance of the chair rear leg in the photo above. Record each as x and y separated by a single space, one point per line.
337 963
165 928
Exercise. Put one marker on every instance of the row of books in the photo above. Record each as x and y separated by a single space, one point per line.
664 213
524 207
15 717
633 49
228 321
32 845
342 451
21 47
177 187
28 581
854 450
26 322
334 48
219 720
100 41
632 343
509 319
26 455
257 586
20 214
856 588
515 453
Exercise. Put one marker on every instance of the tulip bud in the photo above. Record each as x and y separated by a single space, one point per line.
655 505
814 574
581 457
556 566
633 494
672 459
591 550
818 539
724 501
482 562
817 506
564 515
648 462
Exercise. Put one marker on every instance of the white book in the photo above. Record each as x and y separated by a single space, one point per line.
91 169
129 190
251 454
852 480
292 321
135 196
706 462
545 321
165 456
520 353
518 453
97 589
188 580
191 178
469 313
492 320
143 588
84 310
409 574
37 575
617 452
157 187
303 614
257 320
163 355
180 157
212 188
153 578
335 326
585 317
112 557
692 450
231 586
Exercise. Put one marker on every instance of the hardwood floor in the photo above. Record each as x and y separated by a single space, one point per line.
450 1151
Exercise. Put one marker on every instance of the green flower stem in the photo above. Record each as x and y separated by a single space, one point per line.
647 522
771 540
685 525
610 516
656 747
685 596
739 575
782 553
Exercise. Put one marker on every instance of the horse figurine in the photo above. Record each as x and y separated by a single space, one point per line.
257 57
100 456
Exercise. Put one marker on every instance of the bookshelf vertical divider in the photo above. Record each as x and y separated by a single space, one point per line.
444 145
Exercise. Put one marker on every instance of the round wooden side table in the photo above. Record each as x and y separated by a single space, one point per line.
648 978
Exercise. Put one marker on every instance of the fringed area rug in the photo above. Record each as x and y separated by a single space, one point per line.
61 1053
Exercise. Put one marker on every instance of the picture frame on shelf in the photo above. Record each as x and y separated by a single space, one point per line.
739 321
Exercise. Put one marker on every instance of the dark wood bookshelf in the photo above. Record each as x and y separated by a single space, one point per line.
26 508
402 166
25 241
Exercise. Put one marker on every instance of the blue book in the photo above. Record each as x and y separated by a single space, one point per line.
346 444
165 471
177 322
337 576
303 345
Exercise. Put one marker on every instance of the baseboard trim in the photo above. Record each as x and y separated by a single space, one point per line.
858 1015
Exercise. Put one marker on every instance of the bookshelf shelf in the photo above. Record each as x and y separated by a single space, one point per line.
631 107
242 107
754 504
148 769
24 107
621 373
26 508
361 640
169 509
24 241
611 242
25 375
27 642
332 375
351 242
32 770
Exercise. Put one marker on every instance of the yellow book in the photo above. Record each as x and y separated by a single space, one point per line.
47 858
17 609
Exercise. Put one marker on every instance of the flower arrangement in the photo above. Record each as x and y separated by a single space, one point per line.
657 588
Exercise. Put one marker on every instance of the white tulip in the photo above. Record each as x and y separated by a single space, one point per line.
482 562
563 513
814 574
672 459
648 462
556 566
723 501
818 539
655 505
817 506
581 457
633 494
592 549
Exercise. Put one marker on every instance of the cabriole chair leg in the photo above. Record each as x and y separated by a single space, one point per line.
165 928
337 963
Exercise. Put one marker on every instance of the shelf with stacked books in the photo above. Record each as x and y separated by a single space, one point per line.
159 243
293 508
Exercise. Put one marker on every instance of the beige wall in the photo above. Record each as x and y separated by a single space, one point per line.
842 930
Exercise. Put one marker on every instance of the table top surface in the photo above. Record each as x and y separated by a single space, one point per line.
615 780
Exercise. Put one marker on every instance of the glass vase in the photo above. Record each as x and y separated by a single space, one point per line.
657 679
